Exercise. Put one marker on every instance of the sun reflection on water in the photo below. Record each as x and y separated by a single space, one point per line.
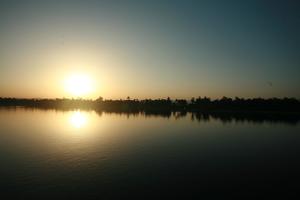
78 119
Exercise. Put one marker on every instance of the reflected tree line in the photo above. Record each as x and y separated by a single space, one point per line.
226 109
225 117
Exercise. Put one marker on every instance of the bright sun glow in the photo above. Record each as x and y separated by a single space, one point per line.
78 119
78 85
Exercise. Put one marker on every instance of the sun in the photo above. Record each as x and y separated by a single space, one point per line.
78 85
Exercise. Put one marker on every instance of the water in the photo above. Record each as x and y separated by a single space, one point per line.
68 154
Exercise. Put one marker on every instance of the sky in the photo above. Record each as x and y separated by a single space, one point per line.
150 49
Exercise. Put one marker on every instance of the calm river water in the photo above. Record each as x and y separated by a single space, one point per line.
69 154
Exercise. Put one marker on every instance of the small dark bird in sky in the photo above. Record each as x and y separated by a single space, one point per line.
270 83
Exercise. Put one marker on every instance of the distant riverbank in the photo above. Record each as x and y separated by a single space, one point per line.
201 109
286 105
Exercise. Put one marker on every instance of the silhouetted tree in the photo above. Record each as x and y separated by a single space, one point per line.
199 104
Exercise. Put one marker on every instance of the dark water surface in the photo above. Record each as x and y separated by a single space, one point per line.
70 154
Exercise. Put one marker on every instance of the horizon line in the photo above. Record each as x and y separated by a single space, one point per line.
130 98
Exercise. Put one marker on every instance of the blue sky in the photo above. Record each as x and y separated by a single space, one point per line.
151 48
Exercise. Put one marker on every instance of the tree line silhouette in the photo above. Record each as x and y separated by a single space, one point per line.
205 104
